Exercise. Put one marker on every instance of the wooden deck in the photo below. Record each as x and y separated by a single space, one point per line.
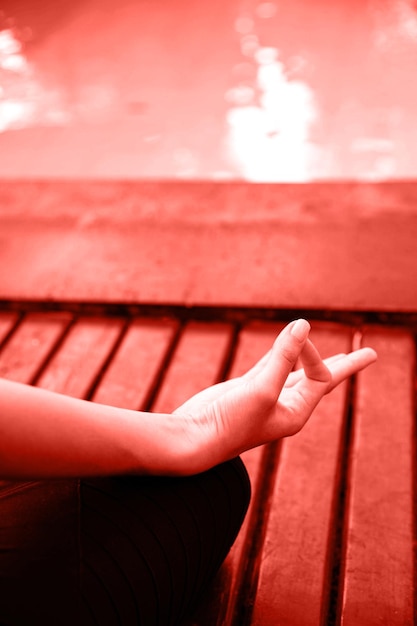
330 529
329 538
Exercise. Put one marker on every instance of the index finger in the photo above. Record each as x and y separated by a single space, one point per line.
314 367
284 354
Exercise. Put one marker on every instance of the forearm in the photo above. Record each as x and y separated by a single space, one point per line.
45 434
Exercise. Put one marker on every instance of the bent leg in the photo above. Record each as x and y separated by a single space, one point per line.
119 551
150 545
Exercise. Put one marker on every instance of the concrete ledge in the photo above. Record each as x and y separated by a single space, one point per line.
336 246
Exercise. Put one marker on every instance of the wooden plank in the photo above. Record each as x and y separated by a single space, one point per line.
30 344
218 243
131 375
296 557
222 602
378 561
81 357
7 321
196 363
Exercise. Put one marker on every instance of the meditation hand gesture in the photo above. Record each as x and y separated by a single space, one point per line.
46 434
270 401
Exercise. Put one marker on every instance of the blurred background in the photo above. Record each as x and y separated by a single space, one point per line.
282 91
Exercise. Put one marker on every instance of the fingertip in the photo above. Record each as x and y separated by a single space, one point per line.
300 329
372 353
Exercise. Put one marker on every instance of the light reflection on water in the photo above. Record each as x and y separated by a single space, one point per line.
269 124
262 91
24 101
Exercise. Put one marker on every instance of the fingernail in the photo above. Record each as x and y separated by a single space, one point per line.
300 330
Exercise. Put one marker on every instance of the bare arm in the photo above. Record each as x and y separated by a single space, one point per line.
45 434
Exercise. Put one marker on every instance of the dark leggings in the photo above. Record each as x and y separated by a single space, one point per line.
119 551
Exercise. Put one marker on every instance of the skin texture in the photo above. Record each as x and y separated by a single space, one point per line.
44 434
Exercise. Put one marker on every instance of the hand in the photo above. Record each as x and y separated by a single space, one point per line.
270 401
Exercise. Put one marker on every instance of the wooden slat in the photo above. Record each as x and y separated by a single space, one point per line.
81 357
7 321
378 564
295 560
196 363
130 377
254 341
221 605
30 345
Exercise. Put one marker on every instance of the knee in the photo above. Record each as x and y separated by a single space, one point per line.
242 479
234 476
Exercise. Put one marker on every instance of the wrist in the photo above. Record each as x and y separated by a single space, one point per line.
163 444
200 446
